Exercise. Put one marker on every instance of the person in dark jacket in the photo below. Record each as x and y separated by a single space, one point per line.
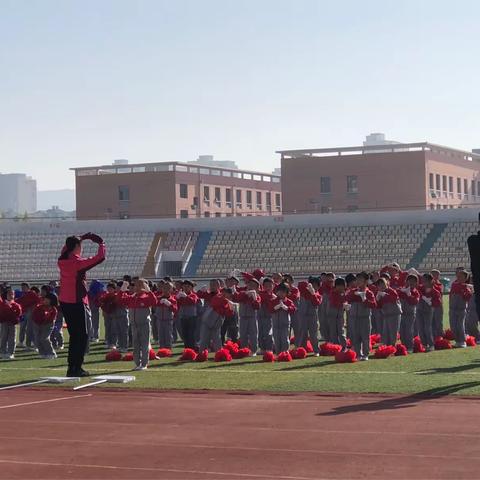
74 298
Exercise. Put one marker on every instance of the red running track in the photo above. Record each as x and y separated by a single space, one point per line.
119 434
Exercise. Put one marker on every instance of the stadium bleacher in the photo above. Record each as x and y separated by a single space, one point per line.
298 244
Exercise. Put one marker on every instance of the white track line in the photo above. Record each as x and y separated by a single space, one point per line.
157 470
44 401
250 449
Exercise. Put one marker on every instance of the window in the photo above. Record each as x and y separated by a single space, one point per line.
218 196
123 215
437 182
124 193
465 187
249 199
228 197
352 208
352 184
206 195
472 188
183 190
478 189
459 185
206 214
431 184
183 213
218 214
181 168
444 183
325 185
450 184
238 198
277 202
269 200
259 200
325 209
195 202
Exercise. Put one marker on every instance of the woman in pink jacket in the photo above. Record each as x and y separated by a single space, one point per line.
74 298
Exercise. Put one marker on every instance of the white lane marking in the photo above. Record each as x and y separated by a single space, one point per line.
44 401
158 469
250 449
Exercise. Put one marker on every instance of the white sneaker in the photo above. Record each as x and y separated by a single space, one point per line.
461 345
137 368
317 354
363 358
11 357
254 354
143 368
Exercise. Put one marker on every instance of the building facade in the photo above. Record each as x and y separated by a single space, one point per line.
18 194
174 190
397 176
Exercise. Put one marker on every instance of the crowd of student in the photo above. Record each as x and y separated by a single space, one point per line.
260 312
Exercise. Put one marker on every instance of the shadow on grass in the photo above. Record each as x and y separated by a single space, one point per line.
234 363
400 402
309 365
458 368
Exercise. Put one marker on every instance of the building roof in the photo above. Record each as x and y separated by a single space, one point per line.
393 148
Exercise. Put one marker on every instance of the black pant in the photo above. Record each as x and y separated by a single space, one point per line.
230 328
188 331
76 319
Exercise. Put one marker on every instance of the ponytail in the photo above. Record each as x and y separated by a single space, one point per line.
70 244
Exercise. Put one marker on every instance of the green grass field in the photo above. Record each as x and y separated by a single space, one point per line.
435 373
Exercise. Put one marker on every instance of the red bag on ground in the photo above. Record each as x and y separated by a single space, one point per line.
188 355
471 342
113 356
202 356
348 356
401 350
284 357
164 352
329 349
128 357
309 347
418 346
268 356
442 344
375 338
385 351
241 353
223 355
298 353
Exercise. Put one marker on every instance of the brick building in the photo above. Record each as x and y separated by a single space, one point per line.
173 190
397 176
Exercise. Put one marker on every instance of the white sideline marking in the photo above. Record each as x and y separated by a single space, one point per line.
158 469
44 401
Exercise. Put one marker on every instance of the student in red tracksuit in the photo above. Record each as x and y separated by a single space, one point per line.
409 298
362 303
74 299
388 301
165 312
250 302
140 304
10 314
219 307
188 301
44 316
429 299
281 308
294 296
377 323
460 294
337 306
265 332
28 301
109 303
307 314
325 289
437 311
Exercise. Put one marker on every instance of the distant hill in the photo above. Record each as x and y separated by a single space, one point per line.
64 199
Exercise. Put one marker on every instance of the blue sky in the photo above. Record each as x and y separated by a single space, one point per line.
85 82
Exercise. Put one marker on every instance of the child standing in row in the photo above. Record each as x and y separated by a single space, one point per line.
281 309
337 306
362 303
139 305
325 290
265 332
429 300
188 302
307 315
10 313
164 314
409 298
389 303
460 294
44 316
438 309
250 302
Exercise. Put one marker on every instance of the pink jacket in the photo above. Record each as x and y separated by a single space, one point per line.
73 279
